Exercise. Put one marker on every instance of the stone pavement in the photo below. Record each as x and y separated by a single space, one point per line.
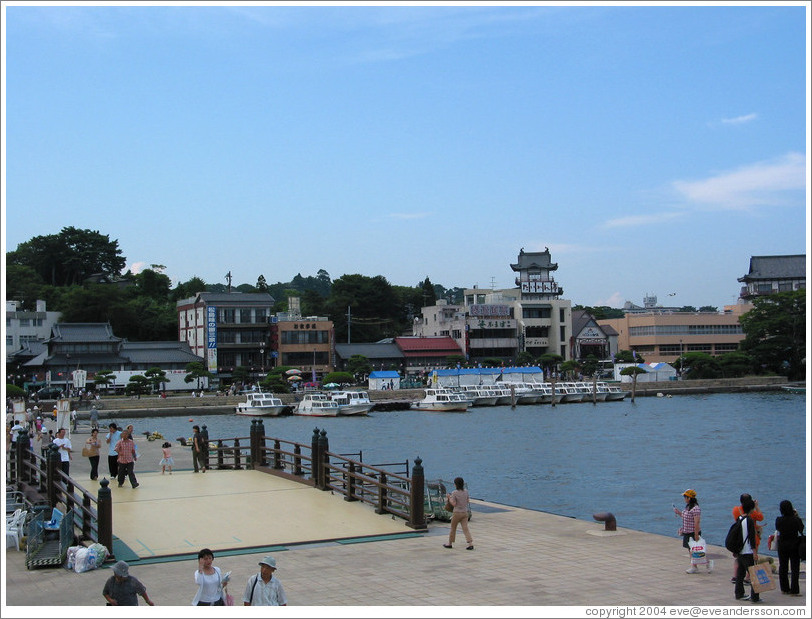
537 563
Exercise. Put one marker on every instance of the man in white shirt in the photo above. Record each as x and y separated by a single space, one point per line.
263 589
65 450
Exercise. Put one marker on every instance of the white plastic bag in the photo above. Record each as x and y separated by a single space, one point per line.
698 547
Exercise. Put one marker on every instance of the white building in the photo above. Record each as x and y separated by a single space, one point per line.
24 327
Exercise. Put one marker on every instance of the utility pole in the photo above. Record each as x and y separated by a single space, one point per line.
349 322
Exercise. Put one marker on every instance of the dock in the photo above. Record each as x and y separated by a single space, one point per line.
333 553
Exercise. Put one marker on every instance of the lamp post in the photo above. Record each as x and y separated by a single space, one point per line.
262 358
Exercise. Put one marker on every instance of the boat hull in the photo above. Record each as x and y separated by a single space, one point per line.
354 409
260 411
440 407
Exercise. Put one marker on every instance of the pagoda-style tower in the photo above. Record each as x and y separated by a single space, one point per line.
535 279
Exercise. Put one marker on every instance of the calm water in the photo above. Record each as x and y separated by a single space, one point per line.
631 459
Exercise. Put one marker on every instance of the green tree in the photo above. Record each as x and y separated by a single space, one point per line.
102 378
137 385
375 312
155 376
13 391
632 371
775 333
240 374
590 365
524 358
188 289
69 257
698 365
429 297
570 368
452 361
549 361
708 308
627 356
359 365
195 371
340 378
24 284
736 364
152 284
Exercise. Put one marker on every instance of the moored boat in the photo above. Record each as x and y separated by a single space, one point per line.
613 392
316 405
481 396
588 388
442 400
525 392
569 392
261 405
352 402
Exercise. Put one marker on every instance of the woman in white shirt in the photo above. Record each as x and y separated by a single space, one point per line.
209 581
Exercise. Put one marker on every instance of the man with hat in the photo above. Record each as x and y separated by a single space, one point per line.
121 589
263 589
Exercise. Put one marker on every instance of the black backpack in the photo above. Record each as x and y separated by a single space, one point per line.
734 541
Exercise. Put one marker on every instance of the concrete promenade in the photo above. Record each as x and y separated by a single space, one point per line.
538 564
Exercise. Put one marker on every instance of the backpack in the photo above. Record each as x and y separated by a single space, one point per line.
734 541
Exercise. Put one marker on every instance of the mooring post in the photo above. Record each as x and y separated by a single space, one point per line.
608 518
315 460
254 443
104 509
417 516
324 472
277 454
261 442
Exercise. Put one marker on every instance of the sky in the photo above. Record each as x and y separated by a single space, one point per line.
652 148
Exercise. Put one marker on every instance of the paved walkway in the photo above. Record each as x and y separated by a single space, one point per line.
529 560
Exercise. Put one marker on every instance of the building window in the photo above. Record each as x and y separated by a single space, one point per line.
9 340
261 315
245 316
36 322
784 286
227 315
226 337
25 322
536 312
764 288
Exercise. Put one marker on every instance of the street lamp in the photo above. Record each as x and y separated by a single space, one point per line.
262 358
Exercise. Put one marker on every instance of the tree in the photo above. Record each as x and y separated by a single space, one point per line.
736 364
137 385
708 308
570 367
590 365
632 371
152 284
775 333
428 294
188 289
24 284
13 391
697 365
155 376
627 356
358 366
524 358
549 361
102 378
69 257
453 361
374 308
195 371
240 374
341 378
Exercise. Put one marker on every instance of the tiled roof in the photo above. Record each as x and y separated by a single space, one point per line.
83 332
159 352
370 351
241 298
428 346
777 267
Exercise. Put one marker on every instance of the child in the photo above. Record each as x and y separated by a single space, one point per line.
167 460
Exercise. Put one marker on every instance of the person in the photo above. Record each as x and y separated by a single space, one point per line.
210 582
94 417
93 444
263 589
14 431
131 430
46 437
125 448
757 517
789 527
121 589
74 419
167 461
459 499
112 438
748 555
198 450
65 450
691 516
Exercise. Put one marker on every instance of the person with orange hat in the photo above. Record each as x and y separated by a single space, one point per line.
691 516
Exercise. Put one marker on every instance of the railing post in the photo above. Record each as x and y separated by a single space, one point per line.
382 493
237 465
261 443
417 516
220 464
104 507
315 458
254 443
324 458
53 467
204 437
86 516
23 445
277 455
297 459
350 496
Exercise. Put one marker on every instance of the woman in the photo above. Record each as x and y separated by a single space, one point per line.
92 445
789 526
691 516
459 499
209 581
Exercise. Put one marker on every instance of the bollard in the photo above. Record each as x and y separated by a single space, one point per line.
254 443
220 464
610 523
324 460
314 457
297 460
237 465
204 439
382 496
104 510
52 468
417 516
261 443
350 496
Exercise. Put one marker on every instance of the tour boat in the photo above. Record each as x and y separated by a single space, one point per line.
570 393
481 396
316 405
442 400
525 392
352 402
613 392
588 388
261 405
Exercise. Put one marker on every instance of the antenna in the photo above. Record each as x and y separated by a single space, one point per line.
493 283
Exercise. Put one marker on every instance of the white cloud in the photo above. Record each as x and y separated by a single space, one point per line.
136 267
765 183
642 220
616 300
740 120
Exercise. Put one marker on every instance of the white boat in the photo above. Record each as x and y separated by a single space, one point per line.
316 405
352 402
503 395
569 392
587 388
442 400
261 405
481 396
546 392
525 392
613 392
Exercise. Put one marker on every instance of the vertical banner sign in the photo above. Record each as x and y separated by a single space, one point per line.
211 342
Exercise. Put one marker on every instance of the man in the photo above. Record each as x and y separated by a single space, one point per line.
94 418
15 432
263 589
748 555
125 448
65 450
756 516
199 450
132 436
121 589
113 437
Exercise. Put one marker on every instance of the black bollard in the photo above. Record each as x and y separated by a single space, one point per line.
254 444
314 456
104 509
52 467
608 518
350 496
263 461
417 515
324 459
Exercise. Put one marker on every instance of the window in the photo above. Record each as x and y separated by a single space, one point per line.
25 322
245 315
227 315
764 288
225 336
784 286
261 315
536 312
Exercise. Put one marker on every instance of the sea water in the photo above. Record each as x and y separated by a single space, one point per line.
632 459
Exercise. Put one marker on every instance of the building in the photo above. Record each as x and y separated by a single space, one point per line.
591 339
665 337
228 329
422 353
305 342
771 274
384 355
24 327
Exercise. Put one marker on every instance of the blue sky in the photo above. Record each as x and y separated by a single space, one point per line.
653 149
